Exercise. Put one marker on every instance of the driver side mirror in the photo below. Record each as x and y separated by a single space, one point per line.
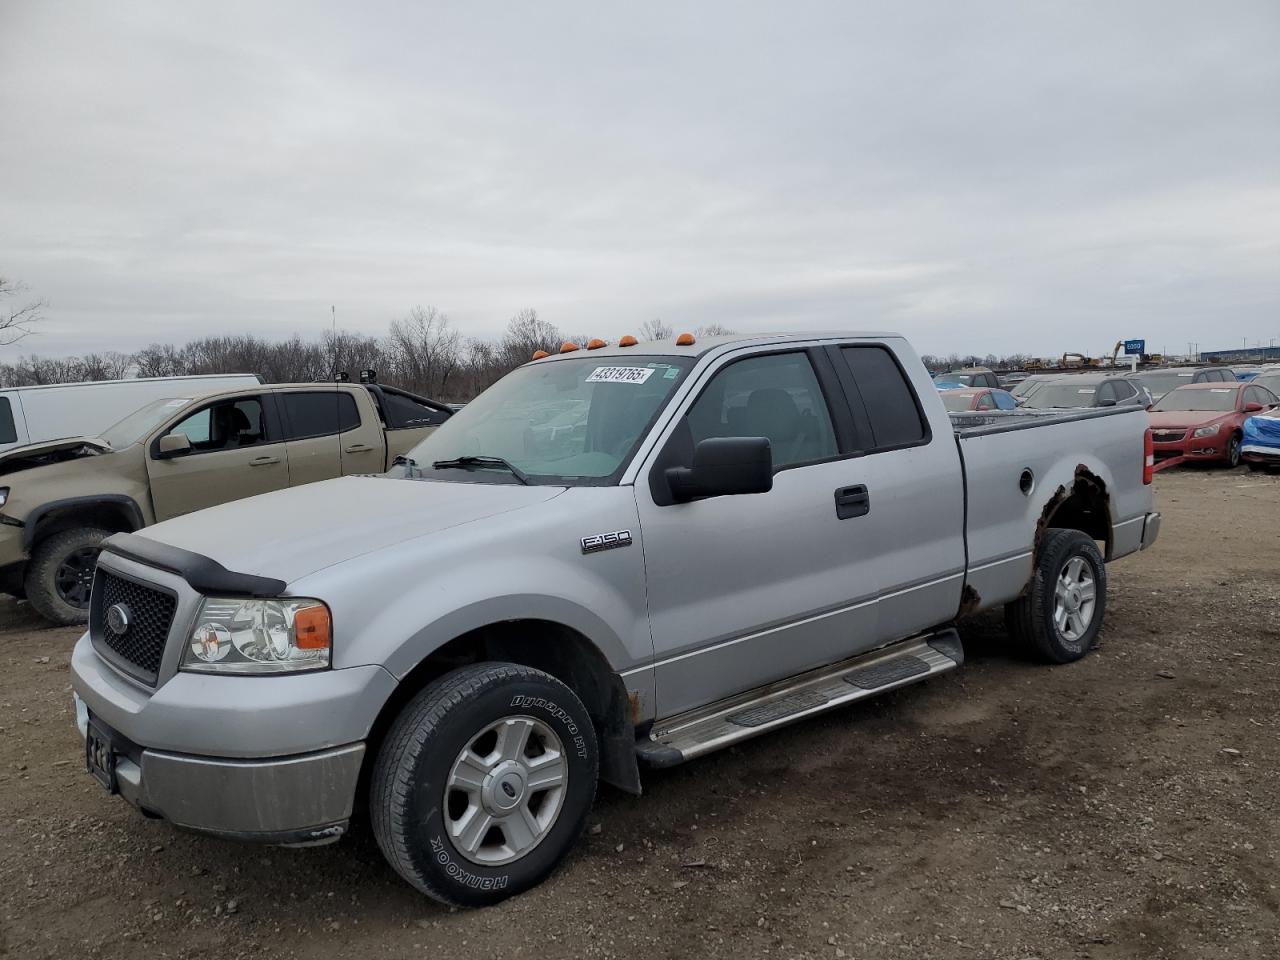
174 445
724 466
1253 407
1107 402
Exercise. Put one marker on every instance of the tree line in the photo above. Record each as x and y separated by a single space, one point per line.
421 352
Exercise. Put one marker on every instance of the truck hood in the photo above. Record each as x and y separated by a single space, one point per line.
1185 418
50 451
291 533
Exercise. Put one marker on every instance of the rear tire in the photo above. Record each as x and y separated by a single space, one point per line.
458 797
1058 617
60 574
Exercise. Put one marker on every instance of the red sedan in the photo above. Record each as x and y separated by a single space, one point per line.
1203 421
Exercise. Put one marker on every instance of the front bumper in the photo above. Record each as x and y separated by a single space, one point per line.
275 759
303 799
1203 448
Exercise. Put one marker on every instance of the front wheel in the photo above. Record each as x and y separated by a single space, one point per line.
60 575
1233 450
1059 615
484 783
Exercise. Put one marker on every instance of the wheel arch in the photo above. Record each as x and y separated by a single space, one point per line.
1085 505
555 648
117 513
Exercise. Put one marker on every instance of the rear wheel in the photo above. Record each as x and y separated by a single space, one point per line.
1060 614
60 574
484 783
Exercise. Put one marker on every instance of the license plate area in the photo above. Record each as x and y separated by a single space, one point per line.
100 758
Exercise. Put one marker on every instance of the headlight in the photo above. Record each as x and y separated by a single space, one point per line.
259 636
4 496
1208 431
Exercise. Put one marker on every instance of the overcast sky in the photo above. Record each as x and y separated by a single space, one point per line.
983 177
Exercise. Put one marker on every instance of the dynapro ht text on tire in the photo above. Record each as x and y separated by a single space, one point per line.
484 783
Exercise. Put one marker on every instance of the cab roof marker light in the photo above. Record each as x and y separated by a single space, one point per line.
628 341
684 340
595 343
539 354
568 347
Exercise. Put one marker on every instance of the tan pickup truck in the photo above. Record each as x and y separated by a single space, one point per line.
61 498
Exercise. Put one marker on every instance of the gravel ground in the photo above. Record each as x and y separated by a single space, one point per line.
1125 806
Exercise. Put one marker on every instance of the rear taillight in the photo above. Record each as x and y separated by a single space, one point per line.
1148 457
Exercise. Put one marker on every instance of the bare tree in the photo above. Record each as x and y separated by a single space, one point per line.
15 320
714 330
424 350
526 334
159 360
656 329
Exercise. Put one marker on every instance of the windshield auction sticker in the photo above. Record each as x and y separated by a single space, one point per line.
620 375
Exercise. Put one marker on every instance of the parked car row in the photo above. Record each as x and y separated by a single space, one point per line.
1196 413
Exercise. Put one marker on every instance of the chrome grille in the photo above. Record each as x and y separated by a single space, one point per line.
139 649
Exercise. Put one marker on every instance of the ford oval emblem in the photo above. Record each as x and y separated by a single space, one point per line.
118 618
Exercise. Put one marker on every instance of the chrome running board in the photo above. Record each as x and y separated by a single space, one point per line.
727 722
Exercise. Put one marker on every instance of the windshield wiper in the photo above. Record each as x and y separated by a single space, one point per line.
483 461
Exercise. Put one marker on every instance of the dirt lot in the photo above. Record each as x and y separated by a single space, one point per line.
1125 806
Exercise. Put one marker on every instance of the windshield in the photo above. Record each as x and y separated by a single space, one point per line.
564 421
1058 394
1030 386
1164 381
957 401
1215 399
141 422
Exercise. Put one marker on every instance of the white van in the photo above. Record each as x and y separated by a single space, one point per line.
57 410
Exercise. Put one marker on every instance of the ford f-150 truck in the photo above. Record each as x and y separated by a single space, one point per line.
613 558
60 499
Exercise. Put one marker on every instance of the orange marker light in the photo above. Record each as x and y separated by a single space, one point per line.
312 628
684 340
539 354
568 347
595 343
628 341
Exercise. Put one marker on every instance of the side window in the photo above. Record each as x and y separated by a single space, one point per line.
1259 395
1005 400
403 412
318 414
775 396
989 380
229 425
985 402
891 405
1220 376
8 432
1105 392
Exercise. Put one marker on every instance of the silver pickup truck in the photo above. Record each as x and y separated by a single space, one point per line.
614 558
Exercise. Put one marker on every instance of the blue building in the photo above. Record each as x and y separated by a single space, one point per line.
1241 355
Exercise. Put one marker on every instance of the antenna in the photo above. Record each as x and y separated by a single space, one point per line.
337 393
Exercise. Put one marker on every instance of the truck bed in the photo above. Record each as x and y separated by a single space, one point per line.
1019 464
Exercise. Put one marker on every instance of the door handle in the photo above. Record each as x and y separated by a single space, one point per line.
359 448
852 502
263 461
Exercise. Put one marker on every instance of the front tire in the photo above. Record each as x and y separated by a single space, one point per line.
1060 614
1233 450
60 574
484 783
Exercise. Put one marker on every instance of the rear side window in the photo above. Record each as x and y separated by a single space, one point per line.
893 412
319 414
8 432
403 412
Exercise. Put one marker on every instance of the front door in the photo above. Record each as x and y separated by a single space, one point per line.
236 451
745 590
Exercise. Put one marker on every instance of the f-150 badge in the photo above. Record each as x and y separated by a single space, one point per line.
606 541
